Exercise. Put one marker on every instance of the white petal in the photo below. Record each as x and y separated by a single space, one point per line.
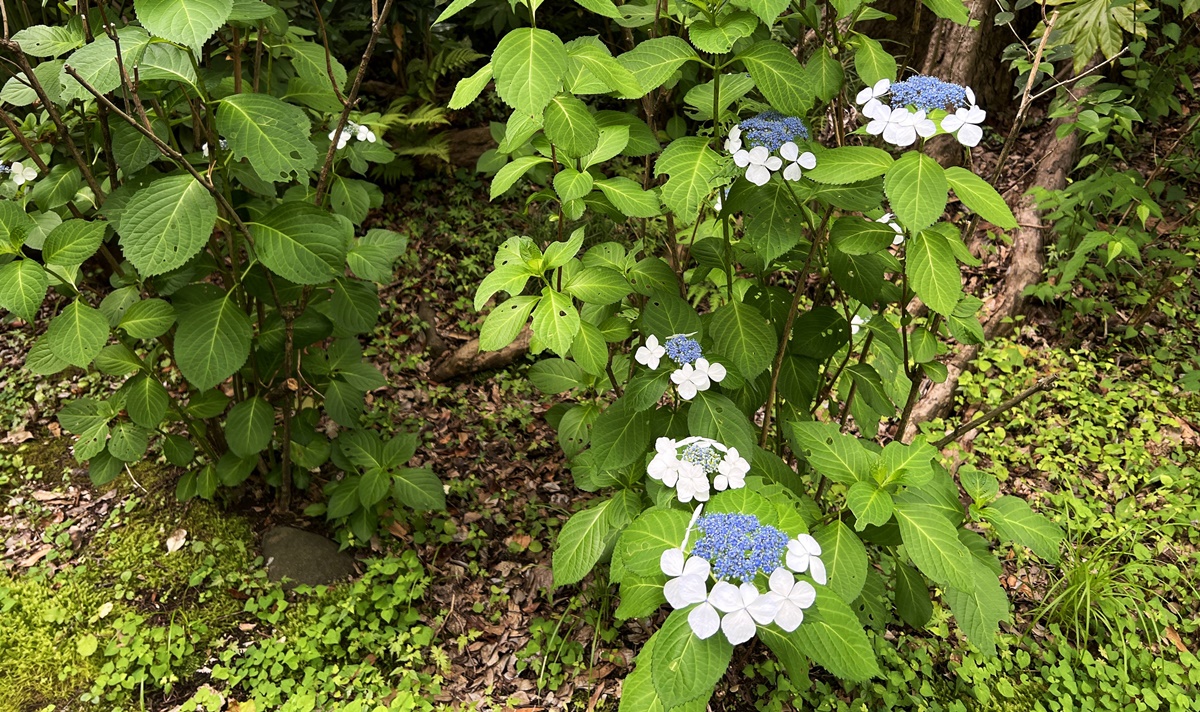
665 445
925 128
974 115
759 155
782 581
789 616
792 172
774 163
970 135
970 95
817 570
876 109
881 87
797 561
741 158
803 594
684 591
863 96
807 161
749 593
704 620
952 122
717 372
735 133
687 390
697 566
899 135
738 627
721 483
876 127
789 151
726 597
682 374
652 341
807 541
732 145
758 174
671 562
765 608
371 137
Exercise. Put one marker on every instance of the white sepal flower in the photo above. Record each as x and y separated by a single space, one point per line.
735 601
664 467
888 219
203 148
792 598
759 164
856 323
802 553
966 122
922 125
650 354
364 133
704 620
869 97
692 483
733 144
897 127
690 379
343 138
22 174
731 472
796 161
689 578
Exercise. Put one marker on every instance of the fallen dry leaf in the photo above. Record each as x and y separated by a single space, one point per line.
176 541
1173 636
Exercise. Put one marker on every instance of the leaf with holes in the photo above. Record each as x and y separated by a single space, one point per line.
300 242
271 135
166 223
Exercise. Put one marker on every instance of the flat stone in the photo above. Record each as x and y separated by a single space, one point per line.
304 558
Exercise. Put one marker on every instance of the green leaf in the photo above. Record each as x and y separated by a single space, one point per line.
839 457
911 465
188 22
845 559
77 334
560 252
453 9
505 322
712 415
870 504
468 88
212 341
640 596
96 62
720 38
23 285
373 487
684 667
620 435
300 242
979 607
147 319
787 652
932 272
569 126
166 223
826 74
628 197
128 442
509 174
932 542
598 285
310 62
574 430
571 184
779 76
690 166
164 62
271 135
850 164
595 59
248 427
872 61
56 188
912 596
146 400
178 450
72 242
555 375
419 488
833 637
41 360
44 41
740 333
349 198
604 8
857 236
556 321
584 537
1016 522
118 360
917 189
641 545
529 65
954 10
979 196
653 61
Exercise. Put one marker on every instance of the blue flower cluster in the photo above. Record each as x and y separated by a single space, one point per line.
928 93
704 455
772 129
5 168
683 349
739 546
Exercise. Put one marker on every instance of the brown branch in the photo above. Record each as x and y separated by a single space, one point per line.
351 99
1041 385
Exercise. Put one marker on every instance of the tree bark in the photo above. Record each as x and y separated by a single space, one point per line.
467 359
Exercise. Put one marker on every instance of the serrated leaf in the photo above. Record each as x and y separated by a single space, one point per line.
871 61
569 125
628 197
642 543
839 457
57 187
188 22
45 41
850 164
23 285
640 596
146 401
419 488
509 174
858 236
468 88
96 62
128 442
310 62
249 426
556 321
271 135
595 59
604 8
979 607
300 242
712 415
719 38
583 538
833 637
147 319
77 334
826 74
870 504
917 190
779 76
72 242
982 198
529 65
653 61
166 223
684 667
932 271
912 596
1015 521
620 435
690 166
740 333
845 559
165 62
931 541
212 342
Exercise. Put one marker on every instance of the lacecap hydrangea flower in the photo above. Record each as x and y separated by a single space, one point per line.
754 143
362 132
694 373
688 465
732 552
204 148
921 106
21 173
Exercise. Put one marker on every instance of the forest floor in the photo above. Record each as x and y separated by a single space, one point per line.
123 598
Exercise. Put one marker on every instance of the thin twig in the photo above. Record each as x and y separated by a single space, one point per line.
1041 385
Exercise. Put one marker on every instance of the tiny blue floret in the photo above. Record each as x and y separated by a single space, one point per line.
5 169
772 129
704 455
928 93
683 349
739 546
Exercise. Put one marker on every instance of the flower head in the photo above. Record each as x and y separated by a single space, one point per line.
900 127
688 464
759 164
927 93
771 130
739 546
683 349
796 161
802 555
22 174
790 597
691 379
651 353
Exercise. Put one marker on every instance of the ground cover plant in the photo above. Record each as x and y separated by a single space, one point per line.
701 348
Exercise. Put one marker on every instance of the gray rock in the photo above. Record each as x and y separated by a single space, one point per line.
304 558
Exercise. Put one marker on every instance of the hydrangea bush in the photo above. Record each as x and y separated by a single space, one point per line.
769 493
180 147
